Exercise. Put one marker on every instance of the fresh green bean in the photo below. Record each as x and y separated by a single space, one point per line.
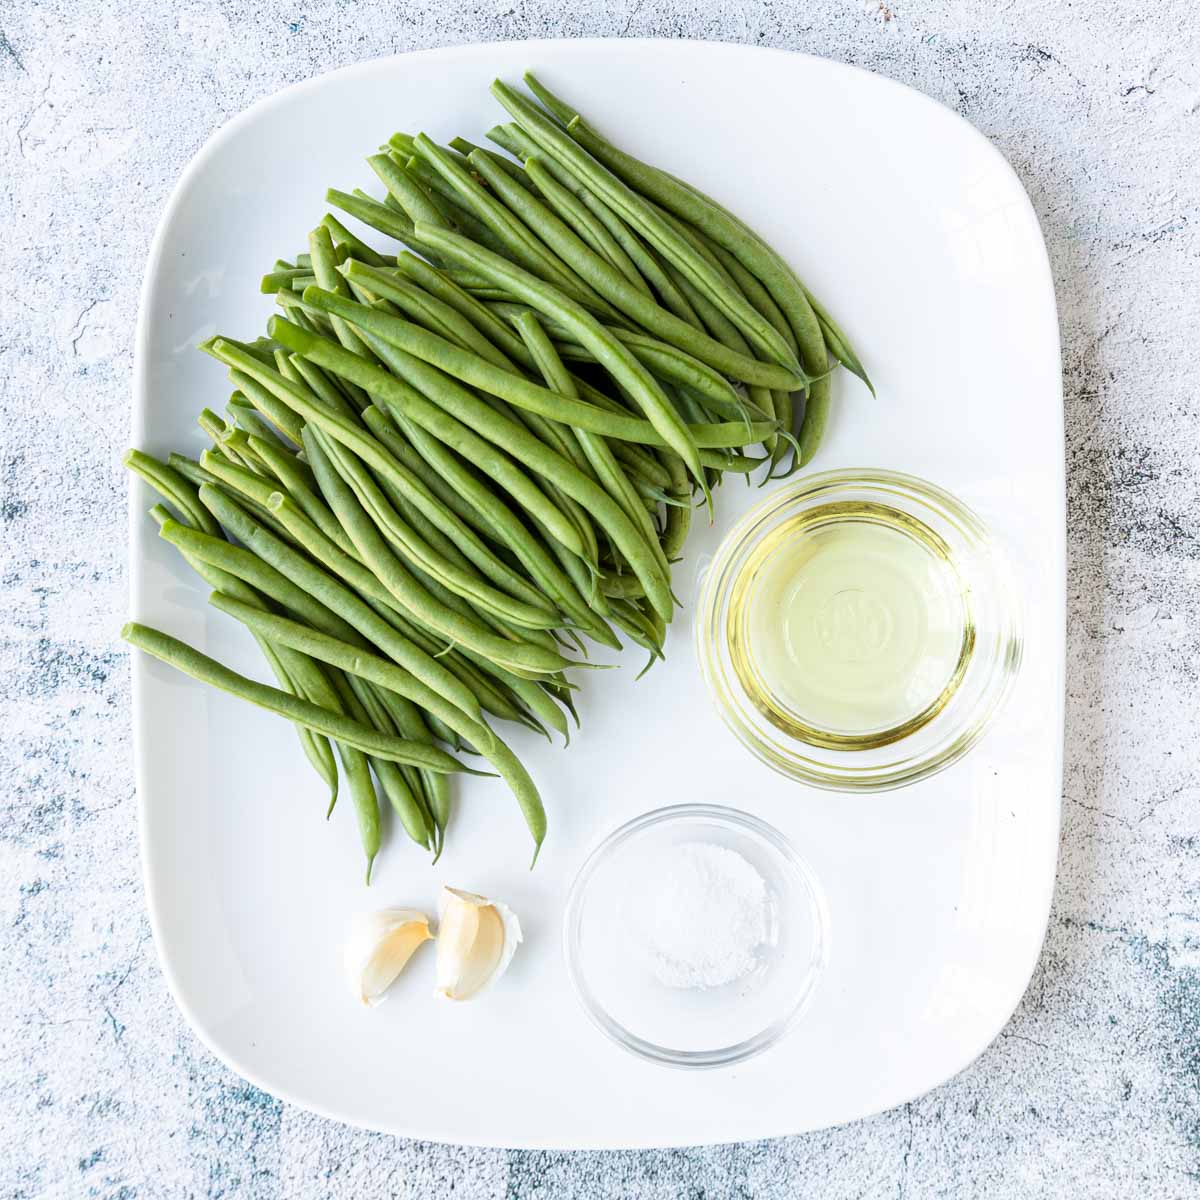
642 216
360 249
364 704
838 343
362 787
617 360
414 597
472 369
710 218
367 448
370 666
350 613
296 672
320 247
333 725
352 572
518 242
489 514
538 165
438 284
569 209
407 192
173 487
247 417
503 433
596 449
455 574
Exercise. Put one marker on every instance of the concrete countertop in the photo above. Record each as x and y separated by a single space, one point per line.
1093 1090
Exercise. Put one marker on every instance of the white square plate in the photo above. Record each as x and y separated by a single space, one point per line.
919 237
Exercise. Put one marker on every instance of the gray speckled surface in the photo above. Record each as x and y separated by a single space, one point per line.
1093 1088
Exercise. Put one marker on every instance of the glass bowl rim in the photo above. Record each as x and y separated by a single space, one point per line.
735 1052
898 772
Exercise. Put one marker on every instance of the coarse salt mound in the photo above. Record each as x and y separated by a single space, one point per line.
707 914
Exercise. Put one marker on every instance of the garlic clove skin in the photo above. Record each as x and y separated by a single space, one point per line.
477 939
378 947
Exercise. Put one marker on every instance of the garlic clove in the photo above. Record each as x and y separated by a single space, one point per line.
477 938
378 947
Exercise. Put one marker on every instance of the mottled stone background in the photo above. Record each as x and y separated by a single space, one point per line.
1092 1090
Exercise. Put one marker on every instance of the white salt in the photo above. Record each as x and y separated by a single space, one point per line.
705 915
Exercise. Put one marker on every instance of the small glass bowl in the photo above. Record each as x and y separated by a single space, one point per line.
985 680
692 1027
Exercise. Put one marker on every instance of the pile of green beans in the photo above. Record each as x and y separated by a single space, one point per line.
446 466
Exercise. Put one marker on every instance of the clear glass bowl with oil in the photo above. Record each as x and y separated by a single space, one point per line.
859 629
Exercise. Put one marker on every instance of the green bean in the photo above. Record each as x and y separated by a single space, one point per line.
296 672
378 216
355 438
436 283
407 192
277 413
622 365
274 280
465 148
414 597
445 321
424 785
639 213
538 165
333 725
561 527
403 143
362 787
405 452
191 470
455 574
635 304
837 342
365 705
517 390
596 449
299 482
316 746
503 433
678 518
338 395
453 211
352 572
518 242
726 332
706 215
429 311
585 224
442 424
676 366
359 248
172 486
448 324
488 513
320 246
350 613
751 288
247 417
370 666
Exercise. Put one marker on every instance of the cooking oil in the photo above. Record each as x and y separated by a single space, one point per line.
849 625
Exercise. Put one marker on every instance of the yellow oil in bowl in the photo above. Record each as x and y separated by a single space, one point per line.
849 626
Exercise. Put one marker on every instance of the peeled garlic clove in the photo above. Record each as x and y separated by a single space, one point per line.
379 945
477 938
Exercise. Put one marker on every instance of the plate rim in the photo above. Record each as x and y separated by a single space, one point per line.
140 393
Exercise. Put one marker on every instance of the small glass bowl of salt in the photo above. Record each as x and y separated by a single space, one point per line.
695 936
